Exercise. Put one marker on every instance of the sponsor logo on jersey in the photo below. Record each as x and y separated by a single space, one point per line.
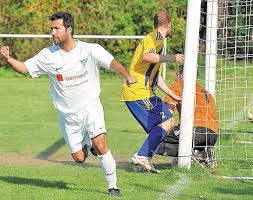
59 77
58 68
158 36
152 50
70 78
83 62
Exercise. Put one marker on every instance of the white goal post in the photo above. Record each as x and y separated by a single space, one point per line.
190 70
190 73
211 45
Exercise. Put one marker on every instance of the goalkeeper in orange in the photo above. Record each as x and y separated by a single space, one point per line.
205 124
141 100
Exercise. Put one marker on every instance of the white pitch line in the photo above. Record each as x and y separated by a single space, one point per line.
238 177
176 189
245 142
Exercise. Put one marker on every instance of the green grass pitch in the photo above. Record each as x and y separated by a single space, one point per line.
35 163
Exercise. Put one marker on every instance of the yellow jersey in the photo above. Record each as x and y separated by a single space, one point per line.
146 73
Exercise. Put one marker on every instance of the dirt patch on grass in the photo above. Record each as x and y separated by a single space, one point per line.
122 161
11 159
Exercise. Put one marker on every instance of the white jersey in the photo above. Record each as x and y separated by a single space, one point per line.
74 75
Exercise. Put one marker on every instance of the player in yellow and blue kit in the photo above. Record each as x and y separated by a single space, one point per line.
148 109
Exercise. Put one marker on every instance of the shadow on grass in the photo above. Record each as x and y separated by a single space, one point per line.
34 182
44 183
165 165
73 163
147 188
243 188
125 165
51 149
128 166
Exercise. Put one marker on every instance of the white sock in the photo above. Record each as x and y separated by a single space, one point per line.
108 165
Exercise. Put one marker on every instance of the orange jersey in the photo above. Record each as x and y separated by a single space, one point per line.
204 114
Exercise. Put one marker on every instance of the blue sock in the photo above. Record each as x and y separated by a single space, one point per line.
152 142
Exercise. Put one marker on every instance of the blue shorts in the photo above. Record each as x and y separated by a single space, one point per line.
149 112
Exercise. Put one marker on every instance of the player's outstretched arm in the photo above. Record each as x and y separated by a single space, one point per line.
163 86
157 58
17 65
116 66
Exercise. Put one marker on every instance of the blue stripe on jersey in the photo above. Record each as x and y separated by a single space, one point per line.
160 51
154 83
148 73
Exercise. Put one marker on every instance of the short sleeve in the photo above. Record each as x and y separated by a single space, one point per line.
36 66
149 45
102 57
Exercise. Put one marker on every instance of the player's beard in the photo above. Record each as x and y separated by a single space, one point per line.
56 41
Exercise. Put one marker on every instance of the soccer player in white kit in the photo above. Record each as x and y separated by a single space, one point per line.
73 70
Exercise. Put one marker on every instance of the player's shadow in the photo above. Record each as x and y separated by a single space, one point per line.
45 183
244 188
147 188
35 182
85 164
44 155
167 165
125 165
52 149
128 166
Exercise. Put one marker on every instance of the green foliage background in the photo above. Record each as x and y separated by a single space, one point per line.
92 17
117 17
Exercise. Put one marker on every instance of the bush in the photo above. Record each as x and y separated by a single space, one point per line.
107 17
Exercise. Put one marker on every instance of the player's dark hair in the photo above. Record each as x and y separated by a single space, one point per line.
181 70
161 18
68 20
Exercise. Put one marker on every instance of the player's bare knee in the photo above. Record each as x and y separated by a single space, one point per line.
172 123
79 158
168 125
101 148
100 145
78 161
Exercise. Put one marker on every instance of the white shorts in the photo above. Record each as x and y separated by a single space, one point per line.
78 128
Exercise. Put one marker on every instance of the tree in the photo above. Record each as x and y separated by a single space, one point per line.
107 17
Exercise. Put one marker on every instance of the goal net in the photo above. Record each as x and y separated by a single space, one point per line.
226 56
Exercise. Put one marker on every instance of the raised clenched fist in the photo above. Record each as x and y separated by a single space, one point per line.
5 51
